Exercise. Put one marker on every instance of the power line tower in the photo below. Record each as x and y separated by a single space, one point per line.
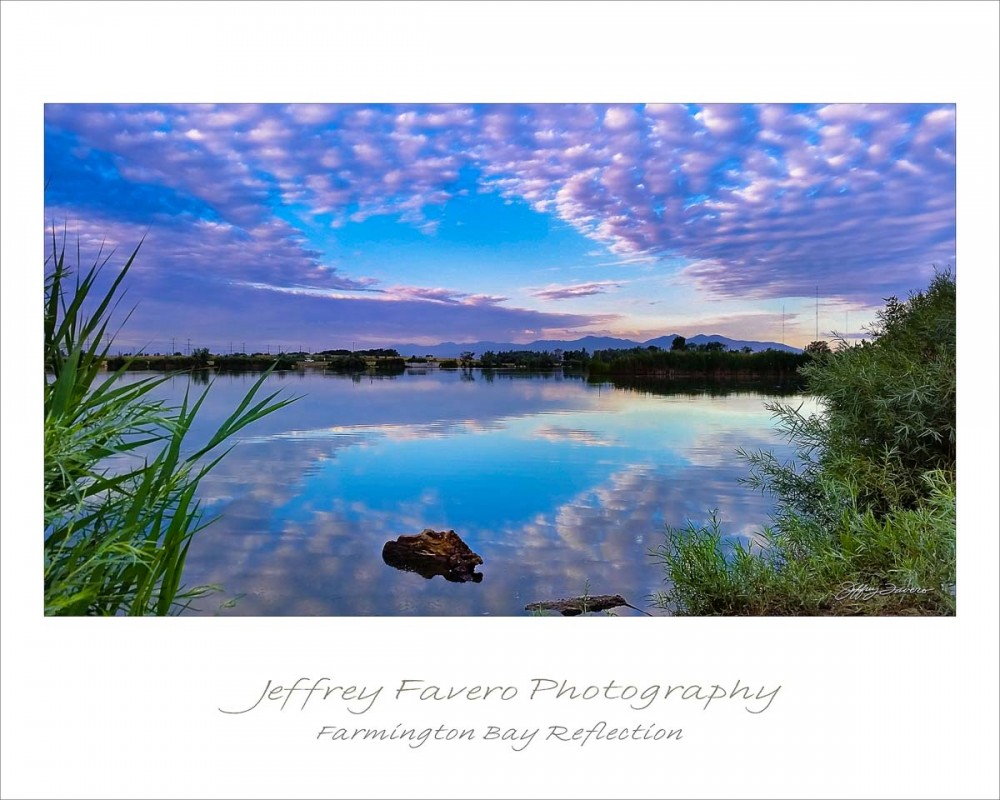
817 315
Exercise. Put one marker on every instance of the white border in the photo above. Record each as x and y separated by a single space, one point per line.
870 708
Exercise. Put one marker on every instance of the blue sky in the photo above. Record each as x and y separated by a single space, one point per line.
284 226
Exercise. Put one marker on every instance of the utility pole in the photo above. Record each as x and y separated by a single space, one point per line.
189 346
172 348
817 314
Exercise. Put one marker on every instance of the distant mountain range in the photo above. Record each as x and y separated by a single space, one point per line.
590 343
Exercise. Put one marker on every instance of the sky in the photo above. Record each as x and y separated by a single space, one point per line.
286 227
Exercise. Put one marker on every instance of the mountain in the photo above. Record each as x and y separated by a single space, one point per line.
590 343
739 344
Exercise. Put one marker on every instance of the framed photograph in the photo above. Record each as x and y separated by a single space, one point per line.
467 411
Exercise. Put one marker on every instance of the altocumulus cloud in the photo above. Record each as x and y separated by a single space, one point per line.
755 201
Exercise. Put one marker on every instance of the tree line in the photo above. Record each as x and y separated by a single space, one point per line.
682 360
699 360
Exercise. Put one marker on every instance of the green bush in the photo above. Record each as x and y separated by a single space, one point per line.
116 537
870 497
706 360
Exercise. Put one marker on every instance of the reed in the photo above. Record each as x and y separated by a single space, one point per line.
121 475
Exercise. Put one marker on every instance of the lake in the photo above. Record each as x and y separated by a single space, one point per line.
563 487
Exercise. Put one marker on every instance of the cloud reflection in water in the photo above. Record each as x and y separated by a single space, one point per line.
559 485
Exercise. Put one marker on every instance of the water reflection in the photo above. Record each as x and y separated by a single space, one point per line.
697 388
562 487
201 377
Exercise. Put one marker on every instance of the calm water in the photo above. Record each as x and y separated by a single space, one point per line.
561 486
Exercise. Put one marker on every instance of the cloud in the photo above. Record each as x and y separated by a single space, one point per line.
198 278
290 317
576 290
759 201
445 296
561 433
184 248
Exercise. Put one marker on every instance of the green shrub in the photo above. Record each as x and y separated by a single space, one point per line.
116 537
870 497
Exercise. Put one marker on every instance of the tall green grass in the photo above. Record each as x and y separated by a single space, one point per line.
116 537
869 500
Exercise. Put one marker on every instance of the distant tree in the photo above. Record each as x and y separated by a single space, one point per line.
817 348
746 349
378 352
713 346
575 358
467 357
201 355
679 343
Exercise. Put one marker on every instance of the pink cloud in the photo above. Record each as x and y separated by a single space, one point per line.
576 290
764 200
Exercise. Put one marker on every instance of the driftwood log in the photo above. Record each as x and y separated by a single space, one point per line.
574 606
431 553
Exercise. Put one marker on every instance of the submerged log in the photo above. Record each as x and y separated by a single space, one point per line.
574 606
431 553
